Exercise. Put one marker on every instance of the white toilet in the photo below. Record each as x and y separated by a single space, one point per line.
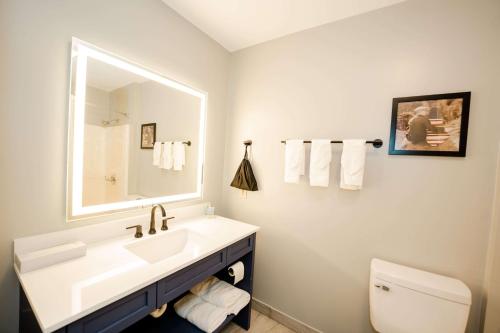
407 300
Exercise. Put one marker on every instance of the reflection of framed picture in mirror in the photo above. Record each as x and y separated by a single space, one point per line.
148 135
433 125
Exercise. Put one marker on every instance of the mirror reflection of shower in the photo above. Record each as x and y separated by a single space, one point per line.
114 121
106 149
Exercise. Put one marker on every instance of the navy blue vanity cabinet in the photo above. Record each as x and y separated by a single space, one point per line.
119 315
183 280
240 248
131 313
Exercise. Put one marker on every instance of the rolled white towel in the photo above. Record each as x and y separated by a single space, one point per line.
319 168
205 316
353 164
294 160
157 149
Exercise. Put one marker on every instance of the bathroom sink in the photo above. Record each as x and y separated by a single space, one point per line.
169 244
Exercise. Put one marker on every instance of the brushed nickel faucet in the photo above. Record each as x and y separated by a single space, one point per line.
152 222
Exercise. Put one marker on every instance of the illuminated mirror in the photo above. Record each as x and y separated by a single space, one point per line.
136 137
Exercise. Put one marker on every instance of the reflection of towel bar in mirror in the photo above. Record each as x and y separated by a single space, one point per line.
377 143
187 143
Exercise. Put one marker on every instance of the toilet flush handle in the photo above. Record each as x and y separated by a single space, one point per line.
381 286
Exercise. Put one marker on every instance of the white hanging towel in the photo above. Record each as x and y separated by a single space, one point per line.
179 155
319 167
167 159
157 148
295 160
352 164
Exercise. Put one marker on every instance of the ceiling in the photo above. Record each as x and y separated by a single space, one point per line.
237 24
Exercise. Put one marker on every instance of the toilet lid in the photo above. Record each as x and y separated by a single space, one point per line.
422 281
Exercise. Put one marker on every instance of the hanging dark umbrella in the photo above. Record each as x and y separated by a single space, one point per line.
244 178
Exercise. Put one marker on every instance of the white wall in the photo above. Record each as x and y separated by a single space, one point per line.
177 118
338 81
35 41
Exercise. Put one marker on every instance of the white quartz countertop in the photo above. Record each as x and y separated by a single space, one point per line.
63 293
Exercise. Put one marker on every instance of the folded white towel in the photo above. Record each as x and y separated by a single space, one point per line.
185 305
167 159
295 159
319 167
222 294
240 303
205 316
157 148
179 155
353 164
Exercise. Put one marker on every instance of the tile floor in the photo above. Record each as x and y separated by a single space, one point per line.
260 324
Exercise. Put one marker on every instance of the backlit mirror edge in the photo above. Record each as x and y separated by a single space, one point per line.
75 211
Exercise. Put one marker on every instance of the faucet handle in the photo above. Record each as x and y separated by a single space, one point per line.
138 230
164 225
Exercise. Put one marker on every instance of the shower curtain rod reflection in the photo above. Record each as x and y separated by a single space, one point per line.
377 143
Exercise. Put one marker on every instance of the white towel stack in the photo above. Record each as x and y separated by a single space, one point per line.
204 315
210 302
319 168
295 159
353 164
179 155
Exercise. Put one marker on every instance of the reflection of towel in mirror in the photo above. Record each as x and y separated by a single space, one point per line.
179 154
157 153
352 164
167 160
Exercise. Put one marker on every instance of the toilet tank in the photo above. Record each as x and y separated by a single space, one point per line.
407 300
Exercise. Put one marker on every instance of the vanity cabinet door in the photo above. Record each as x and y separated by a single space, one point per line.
119 315
183 280
240 248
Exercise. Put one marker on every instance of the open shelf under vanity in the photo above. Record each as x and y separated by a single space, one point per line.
131 313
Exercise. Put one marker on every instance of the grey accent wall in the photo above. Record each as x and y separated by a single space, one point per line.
338 81
35 41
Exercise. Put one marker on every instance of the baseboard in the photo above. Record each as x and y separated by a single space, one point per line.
282 318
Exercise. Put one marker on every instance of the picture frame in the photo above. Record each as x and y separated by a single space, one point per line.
148 135
430 125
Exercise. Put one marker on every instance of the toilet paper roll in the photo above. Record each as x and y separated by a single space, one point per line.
237 271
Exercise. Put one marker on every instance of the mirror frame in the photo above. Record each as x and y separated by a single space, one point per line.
80 52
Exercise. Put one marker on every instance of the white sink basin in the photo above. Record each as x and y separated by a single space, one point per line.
169 244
